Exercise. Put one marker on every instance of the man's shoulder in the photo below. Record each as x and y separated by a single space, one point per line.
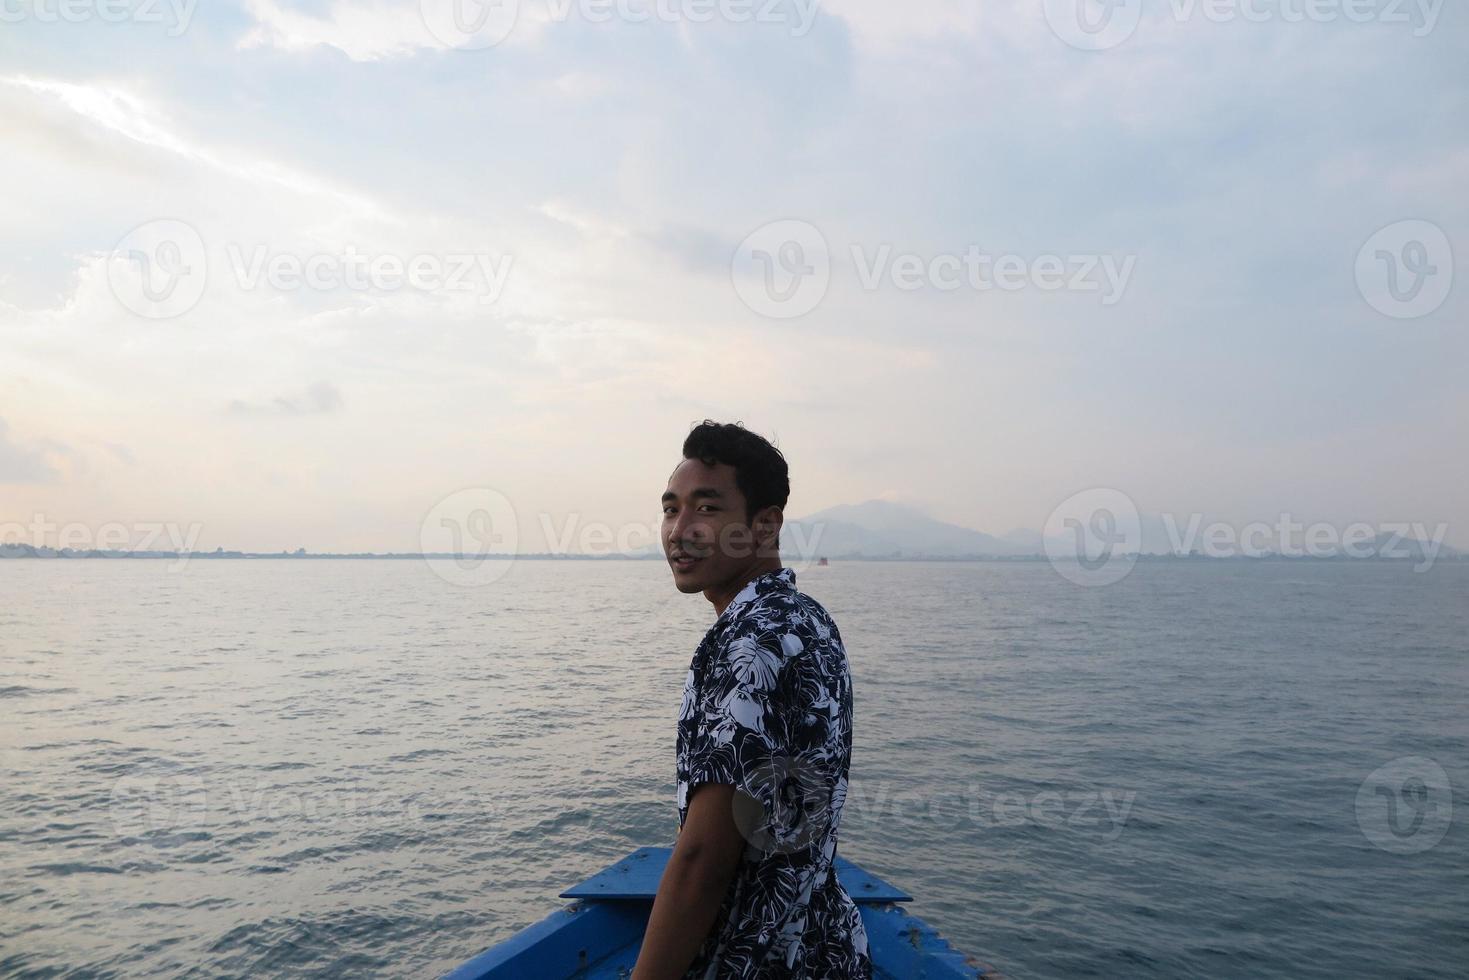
786 613
784 606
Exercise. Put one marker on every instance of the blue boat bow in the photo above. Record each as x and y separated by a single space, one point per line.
599 933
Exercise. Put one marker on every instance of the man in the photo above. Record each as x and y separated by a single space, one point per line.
764 740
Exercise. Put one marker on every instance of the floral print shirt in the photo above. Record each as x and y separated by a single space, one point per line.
767 708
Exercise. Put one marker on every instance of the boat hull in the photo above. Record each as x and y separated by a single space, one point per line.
598 935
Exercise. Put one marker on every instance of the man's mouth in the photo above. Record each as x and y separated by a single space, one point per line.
684 562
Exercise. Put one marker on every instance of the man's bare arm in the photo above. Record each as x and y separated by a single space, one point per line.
693 885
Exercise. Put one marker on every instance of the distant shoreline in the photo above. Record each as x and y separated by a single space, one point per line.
13 552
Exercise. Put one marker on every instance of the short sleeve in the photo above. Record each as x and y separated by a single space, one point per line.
739 734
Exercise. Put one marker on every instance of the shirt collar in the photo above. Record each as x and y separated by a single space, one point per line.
780 578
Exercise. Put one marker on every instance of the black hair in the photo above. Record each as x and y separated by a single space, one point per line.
760 469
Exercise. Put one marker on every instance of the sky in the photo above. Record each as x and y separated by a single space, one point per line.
315 274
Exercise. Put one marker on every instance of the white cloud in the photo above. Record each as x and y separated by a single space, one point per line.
580 85
20 463
928 128
364 31
320 398
885 27
119 111
380 30
585 222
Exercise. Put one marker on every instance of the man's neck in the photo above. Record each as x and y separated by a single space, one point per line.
727 592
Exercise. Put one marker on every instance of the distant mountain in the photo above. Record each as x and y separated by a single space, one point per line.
1031 542
1393 546
883 529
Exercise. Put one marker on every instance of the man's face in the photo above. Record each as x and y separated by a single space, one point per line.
706 536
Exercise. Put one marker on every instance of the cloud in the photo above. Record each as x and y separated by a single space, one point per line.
321 398
886 27
381 30
126 114
590 225
1244 165
361 31
694 249
19 464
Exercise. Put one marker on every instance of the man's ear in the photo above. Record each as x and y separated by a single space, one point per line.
767 525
